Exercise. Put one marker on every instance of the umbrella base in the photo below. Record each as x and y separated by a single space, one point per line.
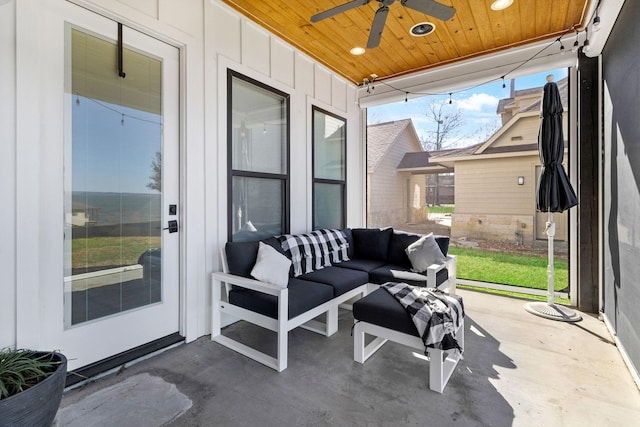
553 311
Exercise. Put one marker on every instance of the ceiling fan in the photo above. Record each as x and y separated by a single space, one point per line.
428 7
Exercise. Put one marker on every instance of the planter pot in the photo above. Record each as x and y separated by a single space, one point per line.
37 406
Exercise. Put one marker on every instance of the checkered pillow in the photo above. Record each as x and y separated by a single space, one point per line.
315 250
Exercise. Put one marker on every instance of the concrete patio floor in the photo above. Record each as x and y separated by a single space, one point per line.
518 370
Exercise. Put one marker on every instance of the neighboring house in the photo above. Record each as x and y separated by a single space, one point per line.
496 180
393 196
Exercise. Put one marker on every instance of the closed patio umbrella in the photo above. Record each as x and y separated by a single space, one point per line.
554 192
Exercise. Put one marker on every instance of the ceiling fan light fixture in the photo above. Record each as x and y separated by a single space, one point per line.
422 29
501 4
357 51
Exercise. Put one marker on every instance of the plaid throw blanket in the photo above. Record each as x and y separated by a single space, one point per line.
436 314
315 250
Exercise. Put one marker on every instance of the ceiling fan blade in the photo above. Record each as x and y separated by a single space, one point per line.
431 8
338 9
377 26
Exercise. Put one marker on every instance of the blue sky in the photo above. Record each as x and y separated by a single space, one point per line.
477 105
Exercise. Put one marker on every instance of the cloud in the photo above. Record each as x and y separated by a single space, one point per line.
477 102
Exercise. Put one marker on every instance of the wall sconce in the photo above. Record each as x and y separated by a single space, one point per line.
521 180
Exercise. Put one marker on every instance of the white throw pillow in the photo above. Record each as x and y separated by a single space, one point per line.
424 252
271 266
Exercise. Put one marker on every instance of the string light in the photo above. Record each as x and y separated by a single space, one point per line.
576 45
503 77
122 115
585 46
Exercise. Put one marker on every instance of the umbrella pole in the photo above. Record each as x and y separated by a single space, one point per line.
550 310
551 232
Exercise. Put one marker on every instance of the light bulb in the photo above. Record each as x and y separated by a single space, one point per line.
596 24
575 47
586 47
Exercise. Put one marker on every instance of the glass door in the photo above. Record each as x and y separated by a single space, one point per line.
121 258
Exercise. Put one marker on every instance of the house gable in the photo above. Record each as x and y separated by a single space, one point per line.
390 137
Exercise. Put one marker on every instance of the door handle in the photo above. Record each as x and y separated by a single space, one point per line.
172 226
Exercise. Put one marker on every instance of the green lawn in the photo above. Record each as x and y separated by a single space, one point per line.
110 251
528 271
445 209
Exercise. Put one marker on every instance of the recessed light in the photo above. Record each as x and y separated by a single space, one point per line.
422 29
501 4
357 51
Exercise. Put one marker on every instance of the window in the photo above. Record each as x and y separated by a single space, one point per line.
258 147
329 170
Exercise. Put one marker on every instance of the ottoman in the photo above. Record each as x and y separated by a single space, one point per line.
381 315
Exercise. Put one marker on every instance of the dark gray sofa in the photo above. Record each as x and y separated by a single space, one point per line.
376 256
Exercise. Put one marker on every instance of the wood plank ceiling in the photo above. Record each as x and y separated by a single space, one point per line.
474 30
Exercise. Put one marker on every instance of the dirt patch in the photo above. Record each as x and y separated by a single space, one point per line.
537 247
425 227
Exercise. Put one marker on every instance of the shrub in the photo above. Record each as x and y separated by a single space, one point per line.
21 369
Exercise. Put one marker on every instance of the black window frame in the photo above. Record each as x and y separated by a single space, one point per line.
232 173
342 182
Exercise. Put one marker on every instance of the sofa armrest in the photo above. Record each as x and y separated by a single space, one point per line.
218 306
279 325
245 282
450 284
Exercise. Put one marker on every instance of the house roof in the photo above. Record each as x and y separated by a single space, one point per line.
421 162
510 103
381 136
413 160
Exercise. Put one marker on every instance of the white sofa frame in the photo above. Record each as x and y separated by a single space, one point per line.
448 285
441 363
281 325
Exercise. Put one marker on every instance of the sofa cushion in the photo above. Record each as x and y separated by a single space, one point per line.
424 252
303 296
361 264
271 266
341 279
443 243
241 256
383 309
348 234
399 241
371 243
396 273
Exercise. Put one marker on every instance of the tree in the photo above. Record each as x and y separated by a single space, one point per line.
445 135
447 126
156 175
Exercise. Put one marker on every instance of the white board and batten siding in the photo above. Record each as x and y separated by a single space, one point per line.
211 37
234 42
